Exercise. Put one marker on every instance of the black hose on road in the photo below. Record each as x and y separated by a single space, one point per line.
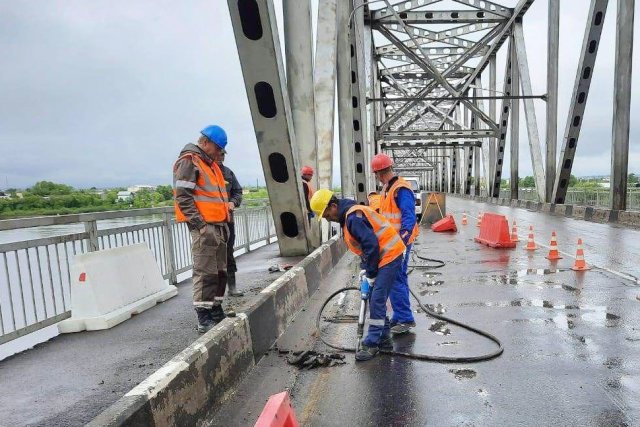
451 359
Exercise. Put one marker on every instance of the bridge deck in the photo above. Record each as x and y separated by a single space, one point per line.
68 380
571 339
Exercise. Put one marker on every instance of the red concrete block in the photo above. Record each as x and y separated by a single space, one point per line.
278 412
445 224
494 232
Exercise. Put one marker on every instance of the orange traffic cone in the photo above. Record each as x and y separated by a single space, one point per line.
553 250
479 222
580 265
464 218
531 245
514 232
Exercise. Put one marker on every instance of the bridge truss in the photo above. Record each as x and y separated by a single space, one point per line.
417 79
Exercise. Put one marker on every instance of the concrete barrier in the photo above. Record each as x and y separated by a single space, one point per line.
109 286
190 387
578 212
187 389
629 218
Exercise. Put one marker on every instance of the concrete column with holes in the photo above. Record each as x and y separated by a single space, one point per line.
256 34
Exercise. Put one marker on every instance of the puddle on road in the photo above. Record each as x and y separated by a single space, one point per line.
446 343
462 374
432 283
431 274
440 328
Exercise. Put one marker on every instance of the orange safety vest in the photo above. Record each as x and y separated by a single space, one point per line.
209 194
389 242
374 201
390 210
310 189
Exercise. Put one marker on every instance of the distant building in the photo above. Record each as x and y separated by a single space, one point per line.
135 188
3 195
124 196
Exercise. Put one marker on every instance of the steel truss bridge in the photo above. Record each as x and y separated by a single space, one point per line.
417 79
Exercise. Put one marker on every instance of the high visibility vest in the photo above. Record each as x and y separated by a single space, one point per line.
374 202
390 210
389 242
310 189
209 193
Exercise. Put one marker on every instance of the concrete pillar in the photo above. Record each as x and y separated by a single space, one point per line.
553 42
345 113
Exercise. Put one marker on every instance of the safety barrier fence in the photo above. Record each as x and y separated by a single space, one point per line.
582 197
35 274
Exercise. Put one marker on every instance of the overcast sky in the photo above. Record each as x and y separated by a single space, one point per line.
105 93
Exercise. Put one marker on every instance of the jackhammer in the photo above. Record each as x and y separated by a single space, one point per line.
365 291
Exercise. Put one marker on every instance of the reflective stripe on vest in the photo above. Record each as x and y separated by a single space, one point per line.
389 242
390 210
209 192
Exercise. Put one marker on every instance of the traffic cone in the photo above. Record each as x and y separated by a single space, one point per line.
514 232
580 265
531 245
553 250
464 218
479 222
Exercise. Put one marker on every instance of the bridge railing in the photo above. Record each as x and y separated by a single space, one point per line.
600 198
35 274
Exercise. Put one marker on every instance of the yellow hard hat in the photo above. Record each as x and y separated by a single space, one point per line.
319 201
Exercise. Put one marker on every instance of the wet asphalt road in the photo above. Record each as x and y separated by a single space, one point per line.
571 340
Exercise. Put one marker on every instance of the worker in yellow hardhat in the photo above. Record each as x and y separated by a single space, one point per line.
369 235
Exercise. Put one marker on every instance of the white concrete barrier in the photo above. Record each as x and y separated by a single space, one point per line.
108 287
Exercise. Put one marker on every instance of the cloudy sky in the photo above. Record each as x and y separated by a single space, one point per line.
105 93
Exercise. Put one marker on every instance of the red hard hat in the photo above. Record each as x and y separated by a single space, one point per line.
381 161
306 170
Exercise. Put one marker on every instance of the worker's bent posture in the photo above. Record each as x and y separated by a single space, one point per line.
398 205
369 235
201 201
374 201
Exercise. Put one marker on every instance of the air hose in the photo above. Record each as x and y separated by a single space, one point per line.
435 263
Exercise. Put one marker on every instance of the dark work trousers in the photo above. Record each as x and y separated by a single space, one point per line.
231 260
209 265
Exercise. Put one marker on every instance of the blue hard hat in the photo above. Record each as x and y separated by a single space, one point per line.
216 134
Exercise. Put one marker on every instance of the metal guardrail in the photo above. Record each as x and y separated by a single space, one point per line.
35 274
582 197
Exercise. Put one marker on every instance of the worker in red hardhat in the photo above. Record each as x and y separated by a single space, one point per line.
307 175
398 205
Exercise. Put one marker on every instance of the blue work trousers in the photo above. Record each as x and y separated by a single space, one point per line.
385 282
399 295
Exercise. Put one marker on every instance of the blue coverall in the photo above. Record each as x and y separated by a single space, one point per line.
386 277
406 202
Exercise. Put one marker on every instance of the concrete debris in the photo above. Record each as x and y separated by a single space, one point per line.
311 359
276 268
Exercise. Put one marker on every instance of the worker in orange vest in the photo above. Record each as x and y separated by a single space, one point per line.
398 205
200 200
307 176
369 235
374 201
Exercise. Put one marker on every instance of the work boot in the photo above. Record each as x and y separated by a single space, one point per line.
402 328
231 282
386 343
205 321
217 314
366 353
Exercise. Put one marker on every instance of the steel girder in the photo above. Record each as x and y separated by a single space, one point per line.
256 36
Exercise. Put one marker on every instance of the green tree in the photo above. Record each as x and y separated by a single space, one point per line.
573 181
165 191
48 188
632 178
527 182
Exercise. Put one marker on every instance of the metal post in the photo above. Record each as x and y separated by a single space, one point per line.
169 248
91 227
529 111
256 34
245 226
299 51
493 87
476 167
515 125
266 226
345 113
325 88
553 42
622 104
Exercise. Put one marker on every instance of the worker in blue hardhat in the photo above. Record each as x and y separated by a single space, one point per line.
370 236
201 201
